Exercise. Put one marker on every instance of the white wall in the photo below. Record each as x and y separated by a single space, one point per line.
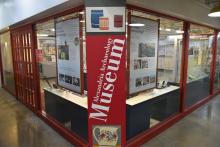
13 11
187 9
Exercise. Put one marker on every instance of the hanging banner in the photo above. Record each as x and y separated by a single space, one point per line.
106 48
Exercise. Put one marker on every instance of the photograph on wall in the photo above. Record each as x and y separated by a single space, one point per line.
68 54
105 19
143 54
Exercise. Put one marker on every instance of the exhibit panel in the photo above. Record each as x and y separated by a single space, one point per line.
199 64
68 52
217 66
7 62
154 53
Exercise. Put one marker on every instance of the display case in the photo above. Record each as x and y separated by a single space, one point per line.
199 64
154 53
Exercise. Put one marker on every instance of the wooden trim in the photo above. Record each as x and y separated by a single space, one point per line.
184 65
213 62
81 55
128 52
1 65
35 70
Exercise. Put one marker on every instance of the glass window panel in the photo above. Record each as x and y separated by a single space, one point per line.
199 61
151 105
59 48
46 56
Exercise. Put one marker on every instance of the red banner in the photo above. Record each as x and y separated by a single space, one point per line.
106 89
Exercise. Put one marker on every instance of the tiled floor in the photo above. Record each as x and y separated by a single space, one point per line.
199 129
19 127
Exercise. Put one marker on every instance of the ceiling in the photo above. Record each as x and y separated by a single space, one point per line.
209 3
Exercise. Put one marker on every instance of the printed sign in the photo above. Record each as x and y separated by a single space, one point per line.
106 81
105 19
106 70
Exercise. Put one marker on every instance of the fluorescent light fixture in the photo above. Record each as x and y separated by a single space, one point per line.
53 30
179 32
42 35
215 12
136 25
172 37
82 12
82 21
168 30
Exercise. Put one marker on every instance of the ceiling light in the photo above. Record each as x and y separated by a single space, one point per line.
53 30
215 12
136 25
42 35
168 30
179 32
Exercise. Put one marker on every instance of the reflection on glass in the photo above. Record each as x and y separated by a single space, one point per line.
153 104
66 107
217 67
199 61
6 52
46 56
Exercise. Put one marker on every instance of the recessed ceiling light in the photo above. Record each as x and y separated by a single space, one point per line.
215 12
168 30
136 25
179 32
42 35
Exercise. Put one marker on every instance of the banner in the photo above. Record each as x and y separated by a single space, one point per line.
106 48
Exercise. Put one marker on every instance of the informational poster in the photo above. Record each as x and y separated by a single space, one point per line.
68 54
106 72
143 54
